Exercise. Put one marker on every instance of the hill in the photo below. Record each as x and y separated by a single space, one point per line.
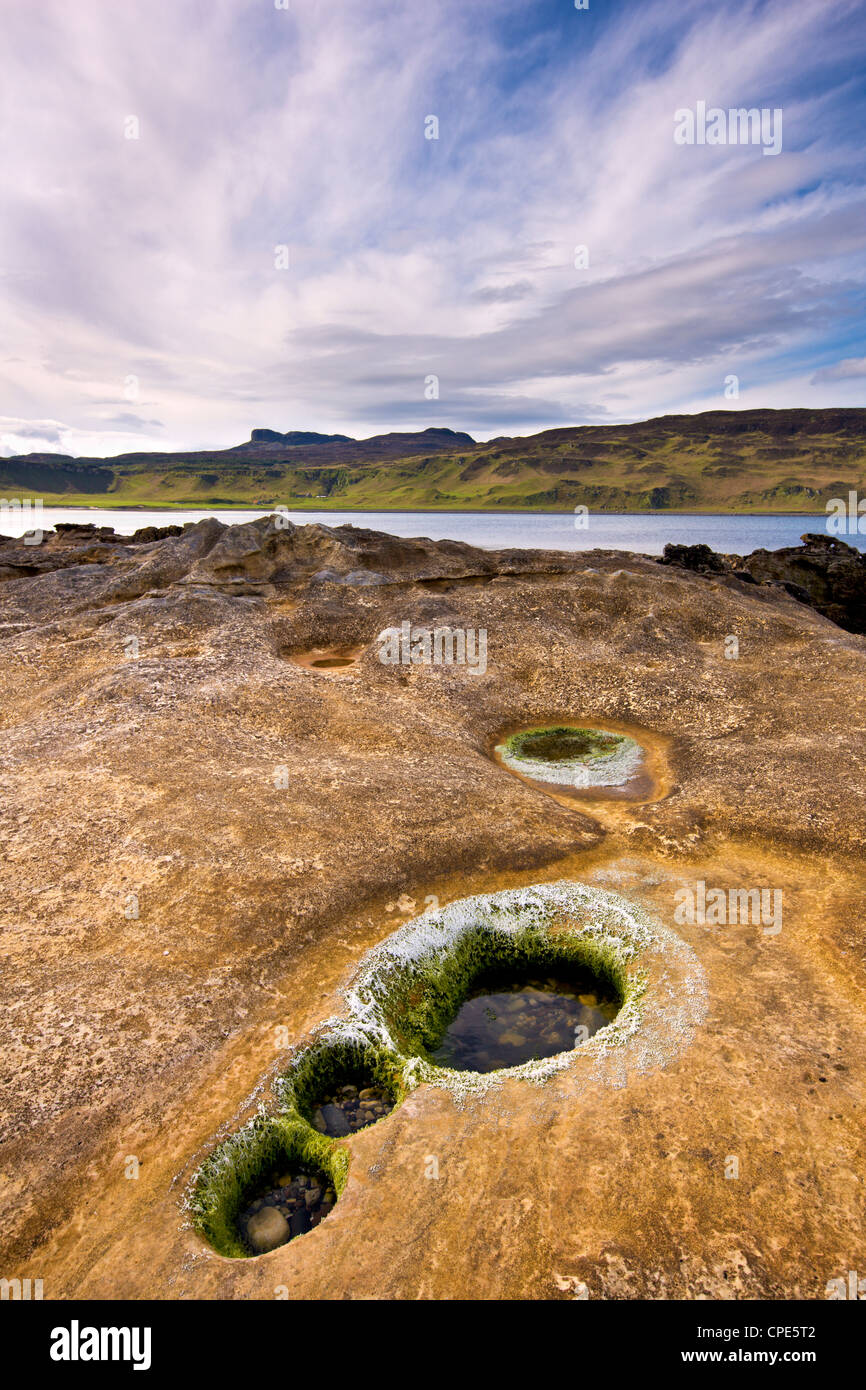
717 461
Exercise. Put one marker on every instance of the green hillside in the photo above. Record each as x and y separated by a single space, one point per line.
719 461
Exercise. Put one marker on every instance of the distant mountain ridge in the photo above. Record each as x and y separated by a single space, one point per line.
736 461
296 437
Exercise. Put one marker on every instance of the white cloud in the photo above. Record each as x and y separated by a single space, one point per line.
154 258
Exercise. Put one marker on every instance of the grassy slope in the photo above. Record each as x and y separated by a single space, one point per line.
757 461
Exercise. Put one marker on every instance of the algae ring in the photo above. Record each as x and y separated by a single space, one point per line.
572 755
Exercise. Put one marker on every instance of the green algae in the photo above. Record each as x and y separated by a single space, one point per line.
563 743
421 1006
286 1139
333 1062
238 1166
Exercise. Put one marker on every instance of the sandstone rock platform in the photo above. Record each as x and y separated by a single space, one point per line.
203 836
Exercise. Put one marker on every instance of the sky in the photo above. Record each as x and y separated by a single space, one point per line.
218 215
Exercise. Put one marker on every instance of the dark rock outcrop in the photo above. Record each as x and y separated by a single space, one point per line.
824 572
698 558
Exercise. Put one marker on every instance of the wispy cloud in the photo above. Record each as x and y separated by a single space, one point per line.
140 282
849 369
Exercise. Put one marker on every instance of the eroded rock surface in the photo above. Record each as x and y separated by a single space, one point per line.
203 838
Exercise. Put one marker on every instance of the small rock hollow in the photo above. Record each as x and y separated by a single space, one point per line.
348 1108
271 1181
283 1205
577 758
325 658
505 1020
341 1088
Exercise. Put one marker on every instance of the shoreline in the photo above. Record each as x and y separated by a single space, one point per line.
266 510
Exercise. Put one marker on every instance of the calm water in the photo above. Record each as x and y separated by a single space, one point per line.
647 535
284 1206
505 1024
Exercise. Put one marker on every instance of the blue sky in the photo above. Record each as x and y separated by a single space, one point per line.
142 300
